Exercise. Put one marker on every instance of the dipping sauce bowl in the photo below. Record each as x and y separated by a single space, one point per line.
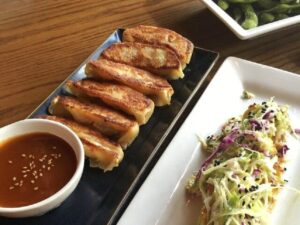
41 164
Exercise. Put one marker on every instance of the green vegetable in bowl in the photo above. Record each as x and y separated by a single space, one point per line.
281 16
242 1
266 17
252 13
237 13
283 8
266 4
223 4
250 16
286 1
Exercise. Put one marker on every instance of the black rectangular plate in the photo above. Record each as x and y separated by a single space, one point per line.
101 198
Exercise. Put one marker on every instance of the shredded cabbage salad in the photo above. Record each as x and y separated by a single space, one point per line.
240 179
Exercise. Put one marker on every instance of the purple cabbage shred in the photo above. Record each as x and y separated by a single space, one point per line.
226 141
255 125
268 115
282 151
255 173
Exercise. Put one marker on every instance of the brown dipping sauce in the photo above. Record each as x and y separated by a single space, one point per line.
33 167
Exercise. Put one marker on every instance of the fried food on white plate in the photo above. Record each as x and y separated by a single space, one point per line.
155 87
161 36
109 122
157 59
115 95
101 151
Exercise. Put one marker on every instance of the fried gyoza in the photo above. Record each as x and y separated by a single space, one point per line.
109 122
155 87
157 59
161 36
115 95
101 151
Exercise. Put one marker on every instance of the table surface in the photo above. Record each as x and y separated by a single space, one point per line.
42 42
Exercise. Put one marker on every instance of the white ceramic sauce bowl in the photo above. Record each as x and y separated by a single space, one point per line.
41 125
251 33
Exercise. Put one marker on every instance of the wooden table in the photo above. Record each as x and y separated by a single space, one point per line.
42 42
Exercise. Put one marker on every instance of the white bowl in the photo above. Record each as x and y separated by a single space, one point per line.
243 34
41 125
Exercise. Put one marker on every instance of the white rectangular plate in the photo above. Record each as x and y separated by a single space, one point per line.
162 199
246 34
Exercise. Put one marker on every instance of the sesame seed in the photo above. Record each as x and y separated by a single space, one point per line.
49 168
53 147
25 175
12 187
35 188
23 155
17 184
44 166
41 174
24 167
252 188
32 181
10 162
14 178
